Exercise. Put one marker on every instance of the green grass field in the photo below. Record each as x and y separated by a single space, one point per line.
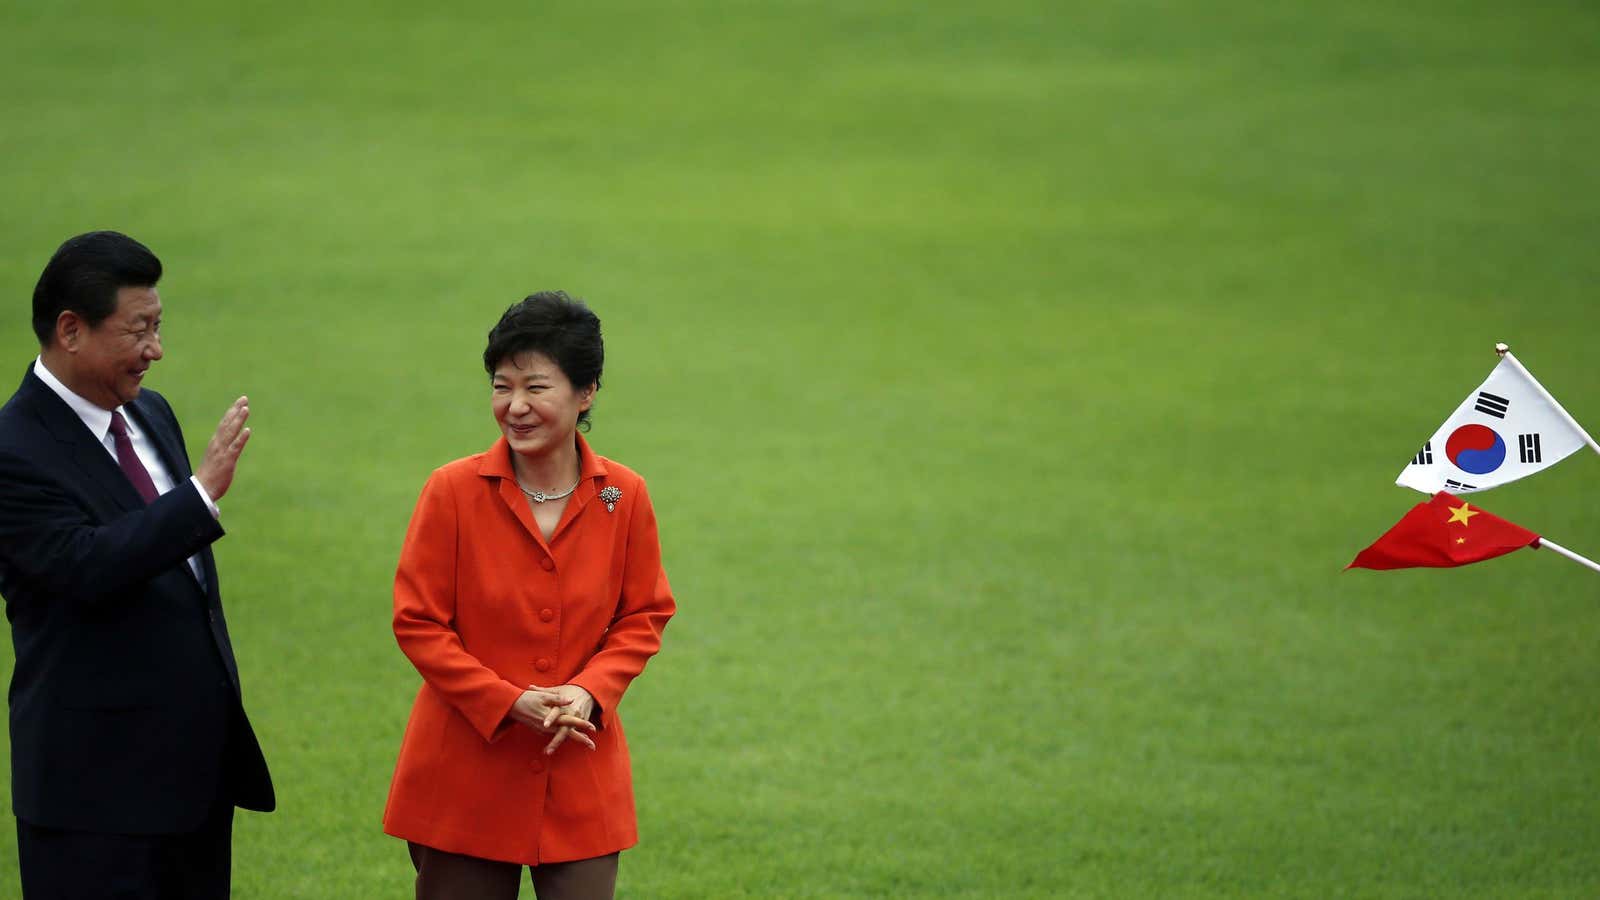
1013 381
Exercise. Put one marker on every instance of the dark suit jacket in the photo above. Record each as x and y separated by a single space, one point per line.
125 704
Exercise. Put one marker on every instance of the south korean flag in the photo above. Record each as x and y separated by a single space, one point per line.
1509 428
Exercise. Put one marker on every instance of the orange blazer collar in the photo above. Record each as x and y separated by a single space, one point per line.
497 464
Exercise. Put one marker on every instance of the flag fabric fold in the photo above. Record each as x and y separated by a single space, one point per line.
1507 429
1445 531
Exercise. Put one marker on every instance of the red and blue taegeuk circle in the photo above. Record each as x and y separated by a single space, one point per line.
1477 449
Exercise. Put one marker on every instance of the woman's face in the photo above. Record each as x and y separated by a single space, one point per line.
536 405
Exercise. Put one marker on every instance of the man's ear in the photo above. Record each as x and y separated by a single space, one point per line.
70 328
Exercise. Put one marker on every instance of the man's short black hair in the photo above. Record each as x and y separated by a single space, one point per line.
84 276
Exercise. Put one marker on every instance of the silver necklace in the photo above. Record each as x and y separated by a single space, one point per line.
541 496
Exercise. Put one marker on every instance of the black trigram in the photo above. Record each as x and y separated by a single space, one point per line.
1490 405
1528 446
1424 456
1454 485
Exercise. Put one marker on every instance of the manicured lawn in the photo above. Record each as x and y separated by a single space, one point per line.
1012 381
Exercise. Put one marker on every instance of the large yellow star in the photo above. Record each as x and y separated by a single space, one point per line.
1462 514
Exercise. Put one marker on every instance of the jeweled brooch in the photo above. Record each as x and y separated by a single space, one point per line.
610 496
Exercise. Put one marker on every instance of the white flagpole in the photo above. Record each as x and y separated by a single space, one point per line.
1505 352
1580 560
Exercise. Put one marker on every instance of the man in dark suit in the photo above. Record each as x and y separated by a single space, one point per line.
129 743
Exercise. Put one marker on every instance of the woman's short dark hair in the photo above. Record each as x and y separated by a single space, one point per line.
84 276
560 327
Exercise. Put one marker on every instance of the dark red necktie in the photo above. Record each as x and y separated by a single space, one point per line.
129 460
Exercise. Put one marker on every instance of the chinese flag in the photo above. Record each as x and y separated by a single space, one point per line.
1445 531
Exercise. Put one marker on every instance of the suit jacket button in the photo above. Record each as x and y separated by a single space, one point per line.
547 565
542 664
547 615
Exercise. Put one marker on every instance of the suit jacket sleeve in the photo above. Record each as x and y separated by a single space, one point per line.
642 613
52 541
424 615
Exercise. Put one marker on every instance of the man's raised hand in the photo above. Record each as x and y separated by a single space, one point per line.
222 453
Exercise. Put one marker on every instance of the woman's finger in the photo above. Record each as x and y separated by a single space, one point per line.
578 723
555 742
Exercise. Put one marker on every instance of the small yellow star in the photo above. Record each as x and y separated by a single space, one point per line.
1461 514
1461 540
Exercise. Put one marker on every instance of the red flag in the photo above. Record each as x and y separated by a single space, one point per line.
1445 531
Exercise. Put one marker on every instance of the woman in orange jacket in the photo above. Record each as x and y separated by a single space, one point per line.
529 595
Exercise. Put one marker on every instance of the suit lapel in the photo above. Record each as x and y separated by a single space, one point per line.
100 468
80 445
164 437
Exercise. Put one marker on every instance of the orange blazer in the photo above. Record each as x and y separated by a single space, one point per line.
484 607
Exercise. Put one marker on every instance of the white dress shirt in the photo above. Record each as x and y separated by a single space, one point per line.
98 421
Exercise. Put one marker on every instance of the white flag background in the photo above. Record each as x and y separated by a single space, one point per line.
1503 431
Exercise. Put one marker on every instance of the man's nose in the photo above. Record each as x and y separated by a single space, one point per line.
152 349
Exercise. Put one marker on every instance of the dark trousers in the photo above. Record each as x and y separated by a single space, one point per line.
82 865
451 876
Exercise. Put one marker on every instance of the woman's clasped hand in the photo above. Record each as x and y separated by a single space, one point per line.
563 711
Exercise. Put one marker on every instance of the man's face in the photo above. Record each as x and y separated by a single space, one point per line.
109 360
